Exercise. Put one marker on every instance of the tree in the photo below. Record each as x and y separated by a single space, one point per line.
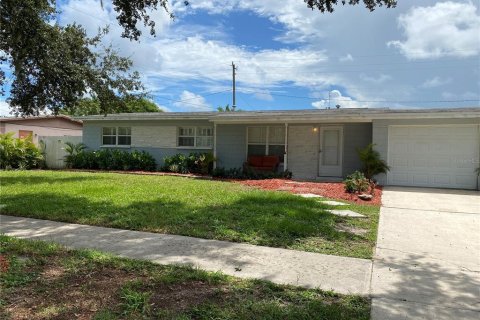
89 106
328 5
227 108
54 66
371 161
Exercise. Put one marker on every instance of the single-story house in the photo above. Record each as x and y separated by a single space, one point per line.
41 126
423 147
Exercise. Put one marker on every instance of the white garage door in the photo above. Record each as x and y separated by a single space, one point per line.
433 156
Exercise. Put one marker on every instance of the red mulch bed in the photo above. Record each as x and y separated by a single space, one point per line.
334 190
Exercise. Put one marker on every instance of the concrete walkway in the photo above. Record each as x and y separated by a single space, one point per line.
427 261
311 270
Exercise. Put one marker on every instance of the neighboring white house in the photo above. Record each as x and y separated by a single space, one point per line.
43 126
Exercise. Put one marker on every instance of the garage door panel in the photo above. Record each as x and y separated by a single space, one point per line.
442 179
420 163
433 156
420 179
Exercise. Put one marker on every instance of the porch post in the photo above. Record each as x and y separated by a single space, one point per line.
285 155
215 145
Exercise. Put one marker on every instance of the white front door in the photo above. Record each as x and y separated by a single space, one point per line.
331 140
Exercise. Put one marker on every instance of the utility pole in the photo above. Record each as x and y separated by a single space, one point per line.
329 98
234 68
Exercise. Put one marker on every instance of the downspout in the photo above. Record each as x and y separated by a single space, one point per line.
215 145
285 155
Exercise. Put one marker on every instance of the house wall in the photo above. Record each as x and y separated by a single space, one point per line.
43 127
304 145
231 145
380 133
157 137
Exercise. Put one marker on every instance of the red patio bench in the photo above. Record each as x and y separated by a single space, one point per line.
263 163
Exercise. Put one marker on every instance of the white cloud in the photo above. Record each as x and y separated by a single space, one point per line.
4 109
336 98
177 54
445 29
378 80
436 82
320 45
266 96
346 58
192 102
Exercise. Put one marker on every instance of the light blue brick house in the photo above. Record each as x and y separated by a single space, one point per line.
424 147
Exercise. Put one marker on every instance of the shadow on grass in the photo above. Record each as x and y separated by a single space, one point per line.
31 179
257 219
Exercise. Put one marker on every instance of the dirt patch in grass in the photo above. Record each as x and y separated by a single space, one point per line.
333 190
183 296
56 294
57 283
342 227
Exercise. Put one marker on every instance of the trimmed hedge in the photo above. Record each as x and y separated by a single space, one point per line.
113 159
192 163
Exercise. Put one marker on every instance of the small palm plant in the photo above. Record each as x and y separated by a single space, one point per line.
72 151
372 164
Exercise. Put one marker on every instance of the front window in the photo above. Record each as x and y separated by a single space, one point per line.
116 136
109 136
124 136
266 140
195 137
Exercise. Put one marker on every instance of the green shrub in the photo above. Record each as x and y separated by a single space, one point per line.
239 173
371 162
18 153
113 159
191 163
356 182
72 151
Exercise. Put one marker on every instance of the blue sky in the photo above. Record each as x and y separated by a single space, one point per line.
420 54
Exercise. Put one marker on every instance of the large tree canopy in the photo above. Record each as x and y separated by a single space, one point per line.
89 106
54 66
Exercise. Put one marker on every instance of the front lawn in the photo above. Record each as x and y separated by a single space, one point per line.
183 206
40 280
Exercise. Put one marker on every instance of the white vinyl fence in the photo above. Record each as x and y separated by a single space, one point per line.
54 149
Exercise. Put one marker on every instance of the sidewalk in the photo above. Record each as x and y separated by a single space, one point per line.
282 266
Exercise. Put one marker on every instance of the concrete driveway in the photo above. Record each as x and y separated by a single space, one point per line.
427 261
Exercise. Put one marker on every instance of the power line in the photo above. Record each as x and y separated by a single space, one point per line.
357 71
378 64
418 53
378 101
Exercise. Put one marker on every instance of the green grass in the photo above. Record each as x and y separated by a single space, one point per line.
66 284
198 208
